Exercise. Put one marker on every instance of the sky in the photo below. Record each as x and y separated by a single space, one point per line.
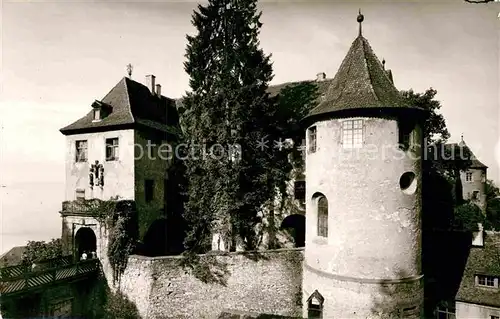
57 58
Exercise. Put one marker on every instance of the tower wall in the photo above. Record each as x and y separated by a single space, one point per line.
371 260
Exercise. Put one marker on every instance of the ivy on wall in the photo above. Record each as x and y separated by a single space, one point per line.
119 217
37 251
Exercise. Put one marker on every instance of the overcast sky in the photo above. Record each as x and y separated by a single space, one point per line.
57 58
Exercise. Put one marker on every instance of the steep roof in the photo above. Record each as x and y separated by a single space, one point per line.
360 83
482 261
466 150
130 103
322 86
12 257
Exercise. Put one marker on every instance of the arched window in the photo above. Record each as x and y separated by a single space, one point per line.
322 216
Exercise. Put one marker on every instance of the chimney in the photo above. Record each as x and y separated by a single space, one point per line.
320 76
478 237
150 83
158 90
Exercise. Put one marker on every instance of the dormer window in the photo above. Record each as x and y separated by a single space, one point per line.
486 281
101 110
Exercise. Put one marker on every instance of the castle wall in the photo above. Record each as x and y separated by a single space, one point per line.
270 284
374 227
118 175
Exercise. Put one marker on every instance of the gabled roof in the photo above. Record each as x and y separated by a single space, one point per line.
12 257
466 150
360 83
316 295
482 261
130 103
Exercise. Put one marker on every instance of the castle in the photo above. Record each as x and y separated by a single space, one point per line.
363 235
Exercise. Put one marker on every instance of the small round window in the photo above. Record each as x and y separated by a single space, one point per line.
408 183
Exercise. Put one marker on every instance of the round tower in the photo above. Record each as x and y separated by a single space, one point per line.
363 196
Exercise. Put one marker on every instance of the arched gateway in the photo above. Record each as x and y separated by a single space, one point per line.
85 241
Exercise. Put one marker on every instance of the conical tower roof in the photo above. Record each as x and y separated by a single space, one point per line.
361 82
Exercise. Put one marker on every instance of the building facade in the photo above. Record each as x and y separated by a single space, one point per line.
479 292
114 152
474 178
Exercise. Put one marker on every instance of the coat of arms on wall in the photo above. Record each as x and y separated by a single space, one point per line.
96 175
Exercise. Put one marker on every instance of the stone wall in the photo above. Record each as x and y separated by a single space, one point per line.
267 282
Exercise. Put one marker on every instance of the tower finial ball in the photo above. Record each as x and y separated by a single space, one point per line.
360 17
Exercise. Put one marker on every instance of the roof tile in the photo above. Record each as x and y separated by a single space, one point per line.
131 103
482 261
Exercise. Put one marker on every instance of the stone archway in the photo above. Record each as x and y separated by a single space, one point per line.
85 241
295 224
165 236
156 239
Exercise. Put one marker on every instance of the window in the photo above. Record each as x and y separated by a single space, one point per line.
80 194
322 217
111 149
352 134
494 317
149 185
404 138
97 114
487 281
475 195
468 177
312 139
81 151
300 190
445 313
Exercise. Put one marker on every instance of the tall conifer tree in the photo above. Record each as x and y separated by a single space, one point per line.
229 107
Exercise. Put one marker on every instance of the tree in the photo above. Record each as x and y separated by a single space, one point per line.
492 193
435 124
467 216
444 160
229 106
38 251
